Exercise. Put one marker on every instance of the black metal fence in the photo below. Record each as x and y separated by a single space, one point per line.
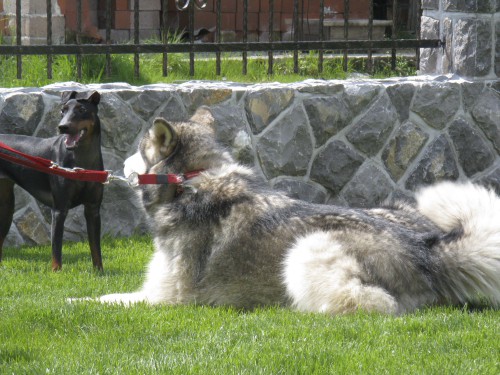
322 44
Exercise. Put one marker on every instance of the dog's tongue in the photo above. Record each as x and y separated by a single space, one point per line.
72 139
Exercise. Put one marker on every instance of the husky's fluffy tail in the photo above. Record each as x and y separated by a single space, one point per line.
471 254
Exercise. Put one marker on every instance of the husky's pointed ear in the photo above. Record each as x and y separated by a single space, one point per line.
204 116
163 136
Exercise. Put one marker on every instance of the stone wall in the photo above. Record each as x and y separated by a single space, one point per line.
471 32
345 142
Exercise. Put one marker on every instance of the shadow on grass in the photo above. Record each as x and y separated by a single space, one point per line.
15 356
43 253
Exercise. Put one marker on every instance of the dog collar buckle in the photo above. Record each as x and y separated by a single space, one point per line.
132 180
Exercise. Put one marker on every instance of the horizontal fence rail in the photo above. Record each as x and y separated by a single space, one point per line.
295 45
90 49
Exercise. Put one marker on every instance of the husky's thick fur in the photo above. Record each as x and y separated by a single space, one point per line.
227 239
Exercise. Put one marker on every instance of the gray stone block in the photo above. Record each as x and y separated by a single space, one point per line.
335 165
263 106
471 93
437 164
321 88
369 133
327 116
436 105
49 122
486 6
472 47
403 149
474 154
21 113
32 226
122 213
470 6
173 109
231 129
429 58
193 99
369 187
429 28
359 96
286 148
401 96
486 114
430 4
146 103
447 60
119 124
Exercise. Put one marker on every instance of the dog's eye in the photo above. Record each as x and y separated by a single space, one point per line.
82 109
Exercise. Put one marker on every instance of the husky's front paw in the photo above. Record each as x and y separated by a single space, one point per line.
126 299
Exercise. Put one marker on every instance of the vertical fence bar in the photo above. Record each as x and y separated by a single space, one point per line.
418 31
321 33
136 37
164 34
245 35
79 38
18 39
108 36
346 32
271 31
295 35
393 34
191 37
49 38
369 60
218 37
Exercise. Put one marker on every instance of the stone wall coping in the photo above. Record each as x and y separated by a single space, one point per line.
236 86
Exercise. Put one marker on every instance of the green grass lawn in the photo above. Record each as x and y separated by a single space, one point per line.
34 69
42 334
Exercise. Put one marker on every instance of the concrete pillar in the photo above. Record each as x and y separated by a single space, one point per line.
471 30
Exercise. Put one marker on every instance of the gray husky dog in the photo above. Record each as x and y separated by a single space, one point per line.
223 237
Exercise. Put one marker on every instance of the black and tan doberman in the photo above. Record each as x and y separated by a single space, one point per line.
78 145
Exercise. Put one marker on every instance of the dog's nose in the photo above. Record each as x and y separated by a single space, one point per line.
63 128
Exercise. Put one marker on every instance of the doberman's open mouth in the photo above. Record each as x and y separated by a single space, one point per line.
71 140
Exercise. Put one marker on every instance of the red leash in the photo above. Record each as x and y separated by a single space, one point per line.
49 167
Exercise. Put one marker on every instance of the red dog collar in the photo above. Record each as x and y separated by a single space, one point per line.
161 179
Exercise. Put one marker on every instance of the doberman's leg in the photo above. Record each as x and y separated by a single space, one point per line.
93 219
6 209
58 219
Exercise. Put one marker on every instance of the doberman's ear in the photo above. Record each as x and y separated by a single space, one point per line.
68 95
89 96
163 136
94 97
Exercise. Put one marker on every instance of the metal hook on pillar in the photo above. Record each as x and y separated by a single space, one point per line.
184 4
